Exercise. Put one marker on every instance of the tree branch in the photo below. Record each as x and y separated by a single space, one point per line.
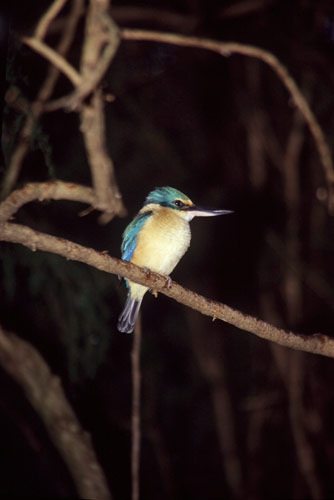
52 190
54 58
48 17
317 343
100 45
45 91
107 196
45 393
228 48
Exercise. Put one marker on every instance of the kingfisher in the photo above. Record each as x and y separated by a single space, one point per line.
156 239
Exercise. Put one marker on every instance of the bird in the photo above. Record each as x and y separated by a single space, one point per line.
156 239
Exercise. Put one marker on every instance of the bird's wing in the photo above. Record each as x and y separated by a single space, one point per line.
130 234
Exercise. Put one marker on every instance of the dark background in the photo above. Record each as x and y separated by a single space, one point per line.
215 399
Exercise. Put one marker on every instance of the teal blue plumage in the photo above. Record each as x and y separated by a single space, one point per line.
165 197
157 238
130 235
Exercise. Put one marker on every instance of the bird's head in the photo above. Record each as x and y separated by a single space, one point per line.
173 199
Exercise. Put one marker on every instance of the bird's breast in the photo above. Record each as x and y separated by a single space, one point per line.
163 240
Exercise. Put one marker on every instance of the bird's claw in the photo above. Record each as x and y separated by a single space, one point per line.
169 282
168 279
147 271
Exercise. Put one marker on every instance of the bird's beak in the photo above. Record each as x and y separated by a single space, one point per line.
197 211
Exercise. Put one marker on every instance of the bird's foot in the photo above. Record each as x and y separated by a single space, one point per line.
147 271
169 282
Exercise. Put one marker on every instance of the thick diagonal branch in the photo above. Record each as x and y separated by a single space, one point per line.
316 343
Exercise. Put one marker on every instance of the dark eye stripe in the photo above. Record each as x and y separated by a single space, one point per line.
179 203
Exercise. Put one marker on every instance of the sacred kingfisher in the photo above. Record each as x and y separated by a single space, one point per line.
156 239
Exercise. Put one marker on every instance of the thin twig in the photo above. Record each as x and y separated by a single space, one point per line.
47 18
317 343
54 58
135 420
228 48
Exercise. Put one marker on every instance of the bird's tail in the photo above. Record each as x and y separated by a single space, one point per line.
127 319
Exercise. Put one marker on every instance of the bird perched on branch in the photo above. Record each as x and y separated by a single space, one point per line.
156 239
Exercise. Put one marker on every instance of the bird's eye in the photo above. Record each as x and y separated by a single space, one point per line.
178 203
